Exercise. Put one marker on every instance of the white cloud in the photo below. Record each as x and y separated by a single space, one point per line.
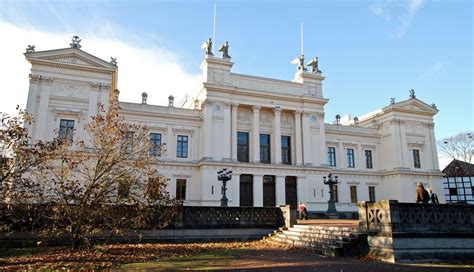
381 10
432 70
153 70
412 9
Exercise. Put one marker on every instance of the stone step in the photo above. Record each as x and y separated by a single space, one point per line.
328 232
326 228
310 237
319 248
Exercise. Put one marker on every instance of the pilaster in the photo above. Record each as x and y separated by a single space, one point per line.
299 140
277 133
322 139
235 115
308 160
226 134
258 190
256 134
280 190
207 135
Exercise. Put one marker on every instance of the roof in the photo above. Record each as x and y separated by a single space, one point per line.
459 168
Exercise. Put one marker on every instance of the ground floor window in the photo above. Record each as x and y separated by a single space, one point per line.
353 189
181 189
246 190
372 193
269 198
291 196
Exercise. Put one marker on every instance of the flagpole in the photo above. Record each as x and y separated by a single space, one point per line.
214 27
302 52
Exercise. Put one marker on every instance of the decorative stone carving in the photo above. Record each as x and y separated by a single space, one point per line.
225 50
412 93
76 42
207 46
30 49
113 61
314 65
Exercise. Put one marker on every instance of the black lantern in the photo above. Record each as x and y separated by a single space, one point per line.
332 192
224 175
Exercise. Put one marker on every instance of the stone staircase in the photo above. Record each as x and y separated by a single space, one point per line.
323 239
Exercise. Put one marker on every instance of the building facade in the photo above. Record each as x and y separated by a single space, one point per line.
271 133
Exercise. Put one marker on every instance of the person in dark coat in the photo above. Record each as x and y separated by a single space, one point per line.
433 197
422 195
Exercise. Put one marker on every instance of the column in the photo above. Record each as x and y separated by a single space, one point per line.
307 156
298 136
280 190
256 134
277 133
31 104
322 140
235 116
207 133
433 146
234 192
397 144
258 190
301 189
42 126
226 134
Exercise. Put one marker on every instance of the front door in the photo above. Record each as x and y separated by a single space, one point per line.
269 191
291 191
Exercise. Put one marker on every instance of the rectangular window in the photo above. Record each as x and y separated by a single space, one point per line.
331 156
181 189
368 159
285 150
336 194
155 148
350 158
416 158
243 146
372 193
265 148
453 191
353 194
182 148
66 130
127 144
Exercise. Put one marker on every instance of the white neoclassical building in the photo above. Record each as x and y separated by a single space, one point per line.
271 133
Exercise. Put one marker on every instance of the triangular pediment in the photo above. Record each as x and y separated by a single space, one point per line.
70 56
414 105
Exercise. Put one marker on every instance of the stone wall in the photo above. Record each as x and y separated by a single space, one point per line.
400 232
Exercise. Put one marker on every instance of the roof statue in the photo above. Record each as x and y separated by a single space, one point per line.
412 93
113 61
76 42
207 46
30 49
300 62
392 100
225 50
314 65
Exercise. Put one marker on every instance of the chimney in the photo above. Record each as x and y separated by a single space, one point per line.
144 97
170 101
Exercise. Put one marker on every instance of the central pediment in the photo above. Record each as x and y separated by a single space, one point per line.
71 57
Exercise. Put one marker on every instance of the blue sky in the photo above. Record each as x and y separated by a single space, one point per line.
369 51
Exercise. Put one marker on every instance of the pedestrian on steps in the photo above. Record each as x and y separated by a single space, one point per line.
303 213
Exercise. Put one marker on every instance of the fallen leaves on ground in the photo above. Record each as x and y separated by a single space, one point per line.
107 256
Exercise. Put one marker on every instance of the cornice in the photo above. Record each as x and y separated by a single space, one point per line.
72 66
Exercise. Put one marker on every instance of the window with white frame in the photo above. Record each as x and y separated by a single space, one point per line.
350 157
155 141
66 130
331 156
182 146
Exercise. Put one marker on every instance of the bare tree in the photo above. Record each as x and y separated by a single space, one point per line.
459 147
101 185
17 154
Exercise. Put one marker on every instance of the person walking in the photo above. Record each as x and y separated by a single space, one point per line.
433 197
421 195
303 213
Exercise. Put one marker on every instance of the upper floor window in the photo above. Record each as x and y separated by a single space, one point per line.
155 141
368 159
127 144
331 156
265 148
182 148
66 130
285 150
350 158
416 158
181 189
242 146
353 194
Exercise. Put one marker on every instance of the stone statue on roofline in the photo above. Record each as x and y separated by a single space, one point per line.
30 49
300 62
314 65
392 100
412 93
113 61
207 46
76 42
225 50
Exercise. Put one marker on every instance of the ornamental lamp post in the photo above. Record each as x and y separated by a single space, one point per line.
224 175
332 192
